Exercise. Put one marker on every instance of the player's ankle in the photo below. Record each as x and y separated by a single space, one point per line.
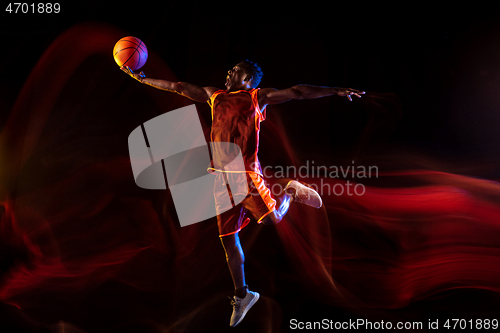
241 292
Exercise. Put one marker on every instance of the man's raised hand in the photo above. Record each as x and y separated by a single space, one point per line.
137 76
349 92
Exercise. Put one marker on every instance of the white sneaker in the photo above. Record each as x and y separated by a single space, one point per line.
304 194
241 306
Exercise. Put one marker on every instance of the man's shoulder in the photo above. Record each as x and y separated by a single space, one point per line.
264 91
262 95
211 90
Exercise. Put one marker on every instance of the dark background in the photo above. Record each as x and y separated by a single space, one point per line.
440 61
432 77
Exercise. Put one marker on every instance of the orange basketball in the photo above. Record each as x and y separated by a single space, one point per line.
130 51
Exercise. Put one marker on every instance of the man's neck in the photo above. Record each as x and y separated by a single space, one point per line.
242 88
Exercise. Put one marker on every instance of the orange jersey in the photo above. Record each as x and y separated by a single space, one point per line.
236 118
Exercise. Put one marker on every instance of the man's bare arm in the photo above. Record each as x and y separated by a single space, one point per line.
191 91
303 91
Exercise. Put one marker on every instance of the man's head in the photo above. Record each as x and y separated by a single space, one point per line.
245 75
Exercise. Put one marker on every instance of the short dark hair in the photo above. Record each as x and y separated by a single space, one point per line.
253 69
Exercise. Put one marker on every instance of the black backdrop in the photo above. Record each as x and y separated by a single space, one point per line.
83 244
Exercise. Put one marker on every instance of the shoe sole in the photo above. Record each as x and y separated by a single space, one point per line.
254 300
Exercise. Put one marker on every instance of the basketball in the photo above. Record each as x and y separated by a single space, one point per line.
130 51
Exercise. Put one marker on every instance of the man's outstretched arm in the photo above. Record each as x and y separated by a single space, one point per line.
191 91
303 91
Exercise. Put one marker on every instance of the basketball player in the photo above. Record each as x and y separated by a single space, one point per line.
236 115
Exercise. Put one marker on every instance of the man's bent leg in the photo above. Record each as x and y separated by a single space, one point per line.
294 191
283 202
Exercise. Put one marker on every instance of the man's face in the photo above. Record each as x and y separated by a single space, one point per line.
237 79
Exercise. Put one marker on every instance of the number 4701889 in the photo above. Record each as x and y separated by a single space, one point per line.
479 324
34 8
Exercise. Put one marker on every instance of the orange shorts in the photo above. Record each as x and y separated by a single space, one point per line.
258 201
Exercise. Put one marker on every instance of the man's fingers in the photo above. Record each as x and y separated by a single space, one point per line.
348 92
127 70
353 92
356 93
